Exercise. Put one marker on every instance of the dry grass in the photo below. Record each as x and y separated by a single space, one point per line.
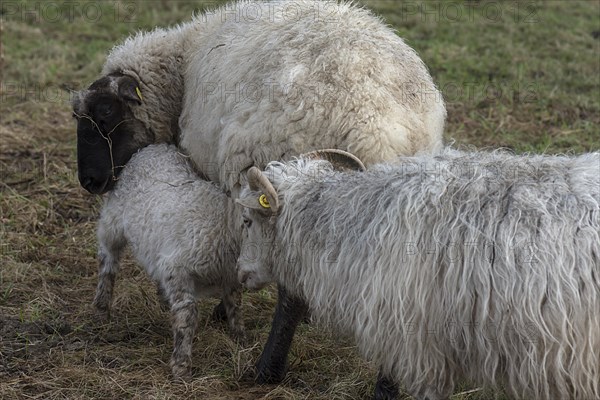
52 346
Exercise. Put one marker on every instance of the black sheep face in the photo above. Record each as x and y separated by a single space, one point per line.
108 133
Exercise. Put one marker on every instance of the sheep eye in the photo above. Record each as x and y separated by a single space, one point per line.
247 222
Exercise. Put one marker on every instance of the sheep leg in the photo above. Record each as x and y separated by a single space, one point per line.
385 389
107 271
232 300
219 312
185 319
271 365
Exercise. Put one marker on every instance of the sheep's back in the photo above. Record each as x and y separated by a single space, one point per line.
315 75
475 260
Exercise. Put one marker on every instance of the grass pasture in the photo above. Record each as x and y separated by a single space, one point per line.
523 75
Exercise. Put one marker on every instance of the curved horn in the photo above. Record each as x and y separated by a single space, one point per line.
259 182
340 159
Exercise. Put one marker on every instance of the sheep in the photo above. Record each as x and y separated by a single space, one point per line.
483 266
330 75
309 75
235 91
181 230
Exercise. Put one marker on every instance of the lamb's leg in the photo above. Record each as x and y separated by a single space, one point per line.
108 254
232 301
385 389
162 297
272 363
184 321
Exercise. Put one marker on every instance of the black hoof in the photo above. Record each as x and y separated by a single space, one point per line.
266 374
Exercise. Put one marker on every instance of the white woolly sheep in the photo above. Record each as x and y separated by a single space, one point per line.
180 228
476 266
251 82
307 75
310 74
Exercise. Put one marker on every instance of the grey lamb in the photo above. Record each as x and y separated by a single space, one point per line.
181 230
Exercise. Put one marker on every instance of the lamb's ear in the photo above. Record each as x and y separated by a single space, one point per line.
129 89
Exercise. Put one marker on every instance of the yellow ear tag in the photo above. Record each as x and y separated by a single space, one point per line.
137 90
263 201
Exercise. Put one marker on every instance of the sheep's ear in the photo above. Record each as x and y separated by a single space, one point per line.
129 90
258 181
77 99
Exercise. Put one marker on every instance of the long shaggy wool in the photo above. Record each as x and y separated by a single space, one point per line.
477 266
260 81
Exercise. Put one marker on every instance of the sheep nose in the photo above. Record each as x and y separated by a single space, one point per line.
87 182
94 185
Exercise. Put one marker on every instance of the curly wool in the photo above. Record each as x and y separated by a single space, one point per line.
299 76
181 229
175 223
477 266
155 60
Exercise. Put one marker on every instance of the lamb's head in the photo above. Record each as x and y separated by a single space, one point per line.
108 133
263 201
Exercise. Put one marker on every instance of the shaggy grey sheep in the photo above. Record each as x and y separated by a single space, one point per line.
476 266
181 229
